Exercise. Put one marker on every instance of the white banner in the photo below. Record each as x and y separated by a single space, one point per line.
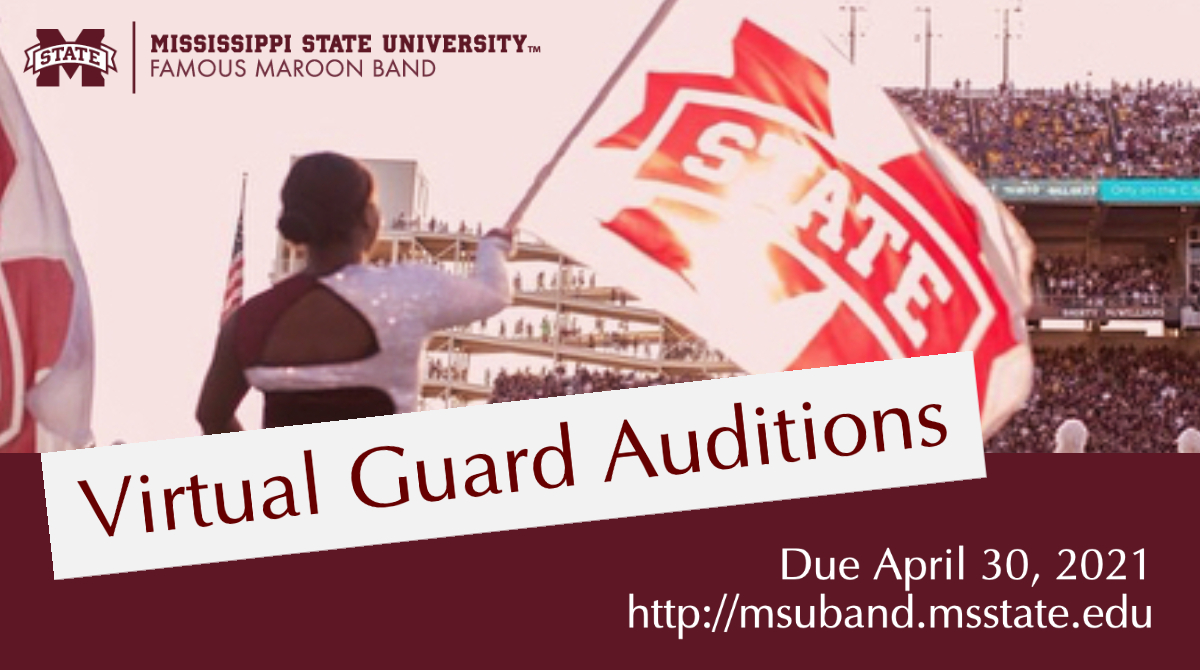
519 465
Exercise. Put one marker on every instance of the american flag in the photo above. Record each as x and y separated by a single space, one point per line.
233 283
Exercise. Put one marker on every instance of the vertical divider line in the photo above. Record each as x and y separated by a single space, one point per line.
133 51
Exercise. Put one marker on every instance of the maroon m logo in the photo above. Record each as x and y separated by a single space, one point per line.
88 52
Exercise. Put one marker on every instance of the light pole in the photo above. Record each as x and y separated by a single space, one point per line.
1006 37
928 37
853 11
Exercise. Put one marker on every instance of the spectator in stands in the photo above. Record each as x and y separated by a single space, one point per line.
1071 437
1189 441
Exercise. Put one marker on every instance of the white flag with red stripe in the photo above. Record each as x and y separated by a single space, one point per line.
738 174
46 345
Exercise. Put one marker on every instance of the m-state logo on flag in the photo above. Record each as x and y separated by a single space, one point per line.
738 175
54 54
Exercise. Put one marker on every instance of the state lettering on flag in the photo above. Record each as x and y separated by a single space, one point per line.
46 343
739 174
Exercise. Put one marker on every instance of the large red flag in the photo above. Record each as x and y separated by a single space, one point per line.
46 342
738 174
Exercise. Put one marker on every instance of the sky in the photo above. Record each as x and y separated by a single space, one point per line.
151 180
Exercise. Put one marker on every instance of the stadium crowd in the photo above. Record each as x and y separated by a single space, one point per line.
1129 400
1158 130
527 385
1146 129
946 114
1045 135
1129 281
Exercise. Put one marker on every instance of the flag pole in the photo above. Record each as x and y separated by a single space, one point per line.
664 9
242 207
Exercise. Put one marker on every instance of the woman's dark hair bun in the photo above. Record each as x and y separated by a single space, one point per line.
325 198
296 227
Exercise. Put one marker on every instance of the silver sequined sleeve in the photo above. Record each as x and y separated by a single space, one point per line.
460 300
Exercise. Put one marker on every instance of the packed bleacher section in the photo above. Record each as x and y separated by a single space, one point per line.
527 385
946 114
1126 281
1045 135
1076 132
1158 130
1130 400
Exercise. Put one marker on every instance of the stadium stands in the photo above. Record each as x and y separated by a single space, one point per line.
1129 281
526 385
1142 130
1130 400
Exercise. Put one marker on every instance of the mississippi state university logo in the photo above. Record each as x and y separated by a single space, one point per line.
885 257
53 54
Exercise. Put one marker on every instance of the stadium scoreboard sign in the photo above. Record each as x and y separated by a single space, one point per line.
1049 191
1136 313
1152 192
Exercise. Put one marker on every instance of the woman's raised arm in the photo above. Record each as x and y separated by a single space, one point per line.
453 301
